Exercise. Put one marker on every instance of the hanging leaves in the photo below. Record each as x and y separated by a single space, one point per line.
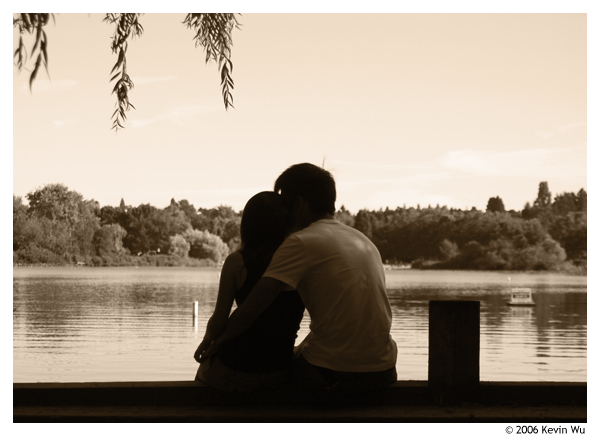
32 24
213 33
126 25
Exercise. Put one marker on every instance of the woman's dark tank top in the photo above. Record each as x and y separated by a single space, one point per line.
268 345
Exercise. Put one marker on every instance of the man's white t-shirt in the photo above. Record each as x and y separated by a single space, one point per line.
339 275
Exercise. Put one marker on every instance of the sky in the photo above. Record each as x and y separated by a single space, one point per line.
403 109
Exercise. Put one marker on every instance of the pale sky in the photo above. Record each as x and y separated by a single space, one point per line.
403 109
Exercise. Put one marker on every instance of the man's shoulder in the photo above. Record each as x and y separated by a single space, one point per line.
335 227
330 234
324 225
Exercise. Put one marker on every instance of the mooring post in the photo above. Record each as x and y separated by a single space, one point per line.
453 373
195 312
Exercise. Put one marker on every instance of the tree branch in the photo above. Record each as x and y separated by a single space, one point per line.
32 23
213 33
126 25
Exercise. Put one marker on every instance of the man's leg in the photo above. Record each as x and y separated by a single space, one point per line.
309 376
365 381
313 377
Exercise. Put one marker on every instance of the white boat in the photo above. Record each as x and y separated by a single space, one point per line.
521 297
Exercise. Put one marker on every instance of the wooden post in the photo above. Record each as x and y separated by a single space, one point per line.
453 372
195 316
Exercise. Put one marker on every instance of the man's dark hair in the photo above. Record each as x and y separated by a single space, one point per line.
310 182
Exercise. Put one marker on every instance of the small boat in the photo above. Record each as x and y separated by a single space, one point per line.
520 297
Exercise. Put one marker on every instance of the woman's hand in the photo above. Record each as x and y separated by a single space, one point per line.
204 345
205 350
228 283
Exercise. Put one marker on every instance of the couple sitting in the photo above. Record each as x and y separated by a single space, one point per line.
295 255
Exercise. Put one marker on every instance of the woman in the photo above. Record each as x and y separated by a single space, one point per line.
261 356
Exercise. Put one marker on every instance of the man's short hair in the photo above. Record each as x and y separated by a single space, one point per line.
310 182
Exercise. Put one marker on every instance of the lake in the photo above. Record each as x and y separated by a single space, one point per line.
136 324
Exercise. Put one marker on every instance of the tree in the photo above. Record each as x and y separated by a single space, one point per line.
149 229
222 221
55 202
448 249
140 236
44 236
344 216
582 200
231 232
212 31
363 223
108 240
179 246
85 228
527 212
72 220
495 204
188 209
570 231
565 203
43 241
19 221
205 245
544 197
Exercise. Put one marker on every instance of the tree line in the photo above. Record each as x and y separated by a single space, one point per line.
58 226
548 235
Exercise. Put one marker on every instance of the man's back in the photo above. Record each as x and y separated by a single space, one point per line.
338 274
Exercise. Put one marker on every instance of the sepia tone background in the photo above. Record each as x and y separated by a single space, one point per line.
404 109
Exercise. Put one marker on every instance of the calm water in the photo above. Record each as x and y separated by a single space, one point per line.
136 324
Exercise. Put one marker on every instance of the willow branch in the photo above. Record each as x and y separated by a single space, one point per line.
213 33
126 26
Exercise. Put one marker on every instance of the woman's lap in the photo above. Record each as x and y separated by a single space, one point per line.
216 374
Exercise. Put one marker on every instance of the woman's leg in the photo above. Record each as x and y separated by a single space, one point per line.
216 374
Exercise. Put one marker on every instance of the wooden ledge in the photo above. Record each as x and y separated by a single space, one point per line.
192 393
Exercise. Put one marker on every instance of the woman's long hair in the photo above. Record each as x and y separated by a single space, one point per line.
266 222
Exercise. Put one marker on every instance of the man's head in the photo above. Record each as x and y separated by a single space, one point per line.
308 187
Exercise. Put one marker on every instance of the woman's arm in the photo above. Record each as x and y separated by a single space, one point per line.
261 296
229 282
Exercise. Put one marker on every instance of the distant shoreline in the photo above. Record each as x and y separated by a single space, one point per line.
156 260
205 263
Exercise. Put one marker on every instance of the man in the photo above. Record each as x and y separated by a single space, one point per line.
338 273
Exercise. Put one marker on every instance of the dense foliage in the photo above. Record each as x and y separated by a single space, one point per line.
550 235
59 226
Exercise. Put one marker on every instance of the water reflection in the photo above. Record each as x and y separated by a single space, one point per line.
119 324
521 313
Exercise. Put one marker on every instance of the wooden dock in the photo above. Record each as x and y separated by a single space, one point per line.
405 401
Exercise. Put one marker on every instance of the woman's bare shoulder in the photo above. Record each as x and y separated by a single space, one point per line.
234 260
234 267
